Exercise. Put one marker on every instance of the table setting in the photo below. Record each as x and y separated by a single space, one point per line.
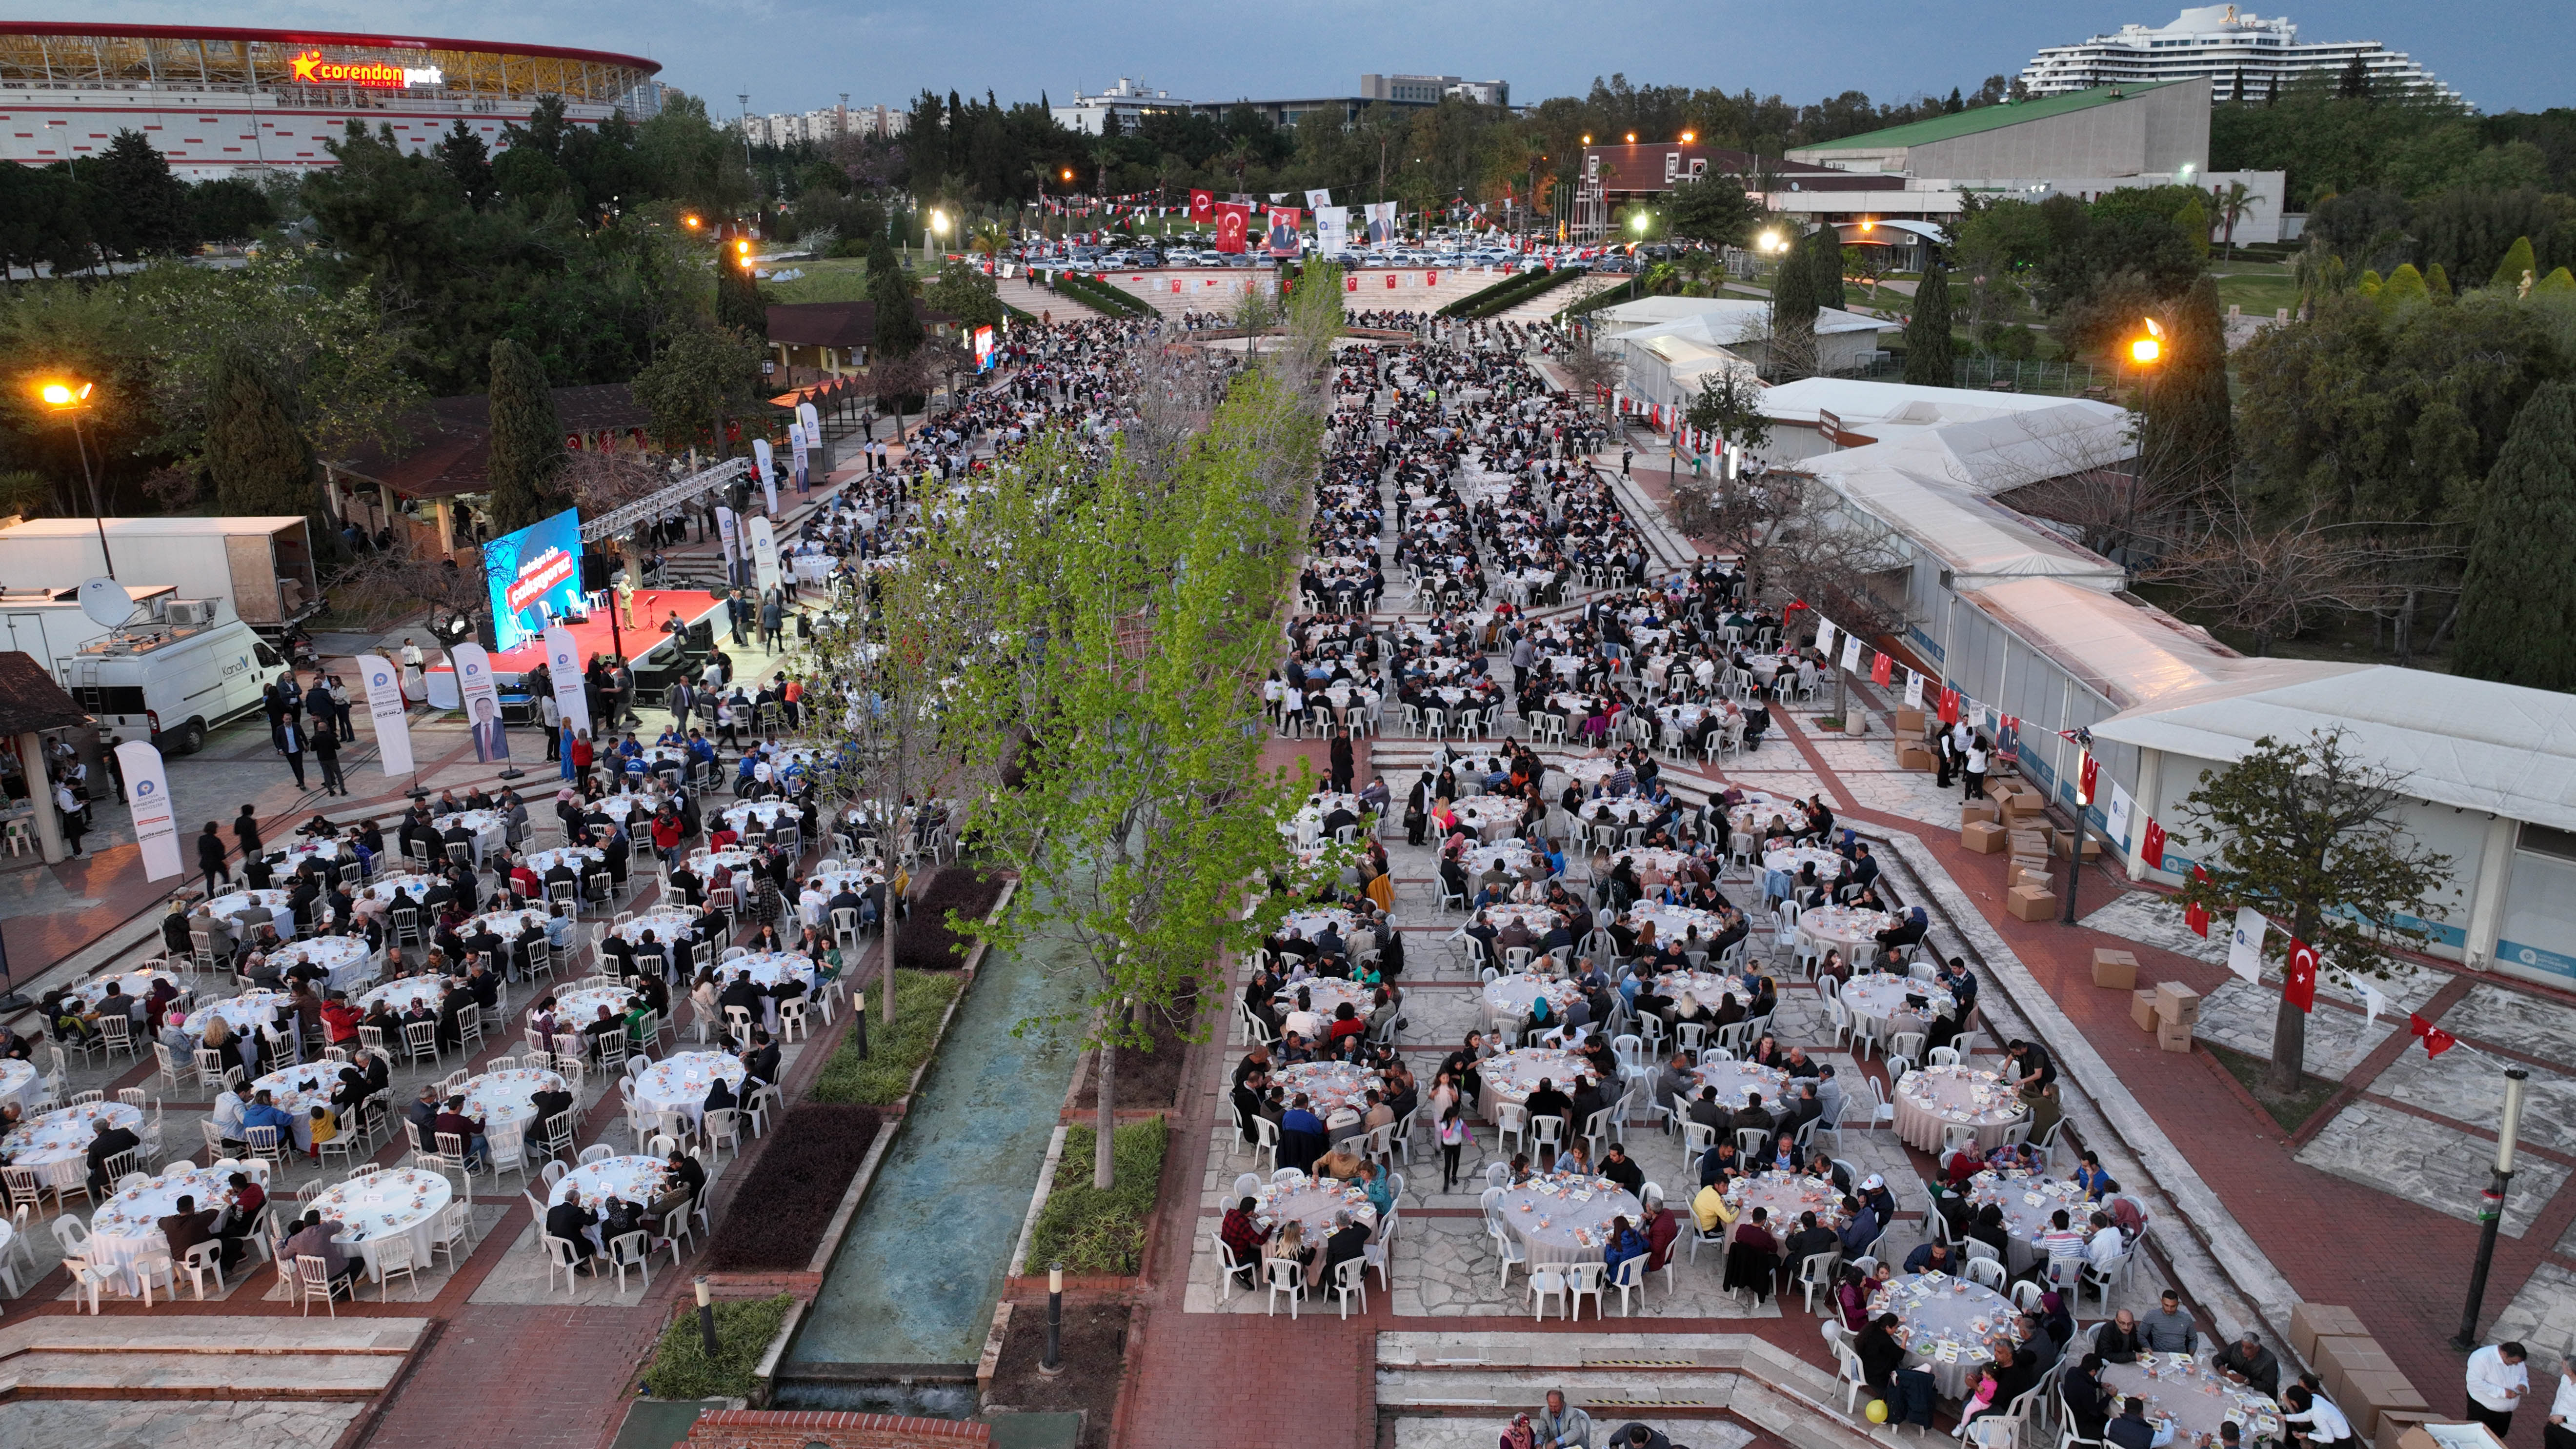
1565 1217
490 829
637 1180
1326 994
296 1091
1949 1325
1482 813
1876 999
1330 1088
1788 861
499 1099
733 858
1848 929
18 1084
768 812
2028 1201
1514 858
1785 1195
508 925
133 985
1674 924
127 1226
1734 1080
1311 1203
679 1082
231 904
1505 1001
1625 811
666 926
1309 923
578 858
1512 1075
386 887
1934 1098
2194 1398
396 1201
56 1143
245 1013
1711 987
346 959
398 995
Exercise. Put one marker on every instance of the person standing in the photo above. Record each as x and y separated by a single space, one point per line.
1975 767
290 743
2498 1380
74 815
115 766
1342 764
340 710
326 753
773 622
552 714
210 858
2560 1432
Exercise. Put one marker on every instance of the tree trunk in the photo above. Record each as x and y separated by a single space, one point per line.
2453 617
1104 1120
2289 1024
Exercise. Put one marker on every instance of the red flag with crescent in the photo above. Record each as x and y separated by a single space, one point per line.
1202 206
1233 223
2194 914
2436 1041
2152 847
2299 986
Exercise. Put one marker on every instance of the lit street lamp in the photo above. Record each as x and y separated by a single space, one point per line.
70 399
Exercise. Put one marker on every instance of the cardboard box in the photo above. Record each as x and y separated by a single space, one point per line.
2115 970
2368 1395
2142 1009
2032 903
2172 1038
2309 1321
2035 875
2177 1003
1911 724
1913 755
1982 836
2022 804
1976 810
2063 841
2454 1432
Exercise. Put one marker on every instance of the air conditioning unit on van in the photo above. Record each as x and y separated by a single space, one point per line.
187 613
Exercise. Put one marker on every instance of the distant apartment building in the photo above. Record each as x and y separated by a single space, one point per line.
824 126
1128 101
1430 90
2243 57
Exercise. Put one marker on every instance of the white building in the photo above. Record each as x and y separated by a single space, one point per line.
1669 344
1431 89
824 126
2244 58
1128 100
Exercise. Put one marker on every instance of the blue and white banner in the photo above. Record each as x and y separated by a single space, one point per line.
385 707
563 661
147 793
767 462
796 439
482 702
764 554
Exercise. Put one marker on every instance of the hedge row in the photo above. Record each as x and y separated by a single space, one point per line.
1102 296
1510 292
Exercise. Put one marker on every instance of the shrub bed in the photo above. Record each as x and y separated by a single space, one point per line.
790 1196
1102 296
921 998
744 1327
924 941
1149 1078
1097 1232
1511 291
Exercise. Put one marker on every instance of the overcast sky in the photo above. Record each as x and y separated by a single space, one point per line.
801 54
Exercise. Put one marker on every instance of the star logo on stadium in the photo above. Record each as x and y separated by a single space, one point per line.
304 65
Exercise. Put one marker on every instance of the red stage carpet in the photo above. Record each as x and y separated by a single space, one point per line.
593 636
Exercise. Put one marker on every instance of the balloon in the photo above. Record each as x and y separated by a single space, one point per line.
1877 1411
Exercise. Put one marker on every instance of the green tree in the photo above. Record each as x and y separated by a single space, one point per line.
961 290
148 213
1729 404
1791 348
2404 287
1825 255
1928 360
898 324
2186 432
739 304
2518 601
257 456
700 376
1712 211
2307 833
527 440
2517 266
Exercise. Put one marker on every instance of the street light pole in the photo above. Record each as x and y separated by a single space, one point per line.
2491 1207
71 400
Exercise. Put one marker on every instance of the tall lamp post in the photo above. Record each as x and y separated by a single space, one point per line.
2491 1207
71 399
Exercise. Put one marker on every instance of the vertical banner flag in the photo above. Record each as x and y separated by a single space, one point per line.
1283 230
1882 671
1851 652
1913 690
1233 223
813 421
1318 200
385 706
1333 230
767 464
764 554
1949 705
147 792
563 661
2245 948
2151 846
1824 636
2116 818
2299 978
2088 779
1202 207
802 442
732 540
482 701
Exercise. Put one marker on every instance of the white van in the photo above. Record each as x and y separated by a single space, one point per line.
172 683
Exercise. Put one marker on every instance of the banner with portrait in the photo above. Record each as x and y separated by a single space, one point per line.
482 700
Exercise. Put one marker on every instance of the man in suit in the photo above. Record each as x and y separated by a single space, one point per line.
762 1060
1349 1240
491 741
571 1221
107 1142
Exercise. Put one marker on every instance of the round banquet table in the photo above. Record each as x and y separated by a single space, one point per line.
1674 924
502 1099
56 1143
384 887
1854 932
1878 999
1734 1079
1654 859
286 1088
1590 770
1511 855
1540 919
346 958
634 1179
766 812
770 968
1311 1202
1330 1088
1711 987
233 904
304 850
1625 811
506 924
2194 1397
1311 923
399 993
706 862
579 1007
1947 1324
1785 864
1756 813
245 1013
1934 1098
2028 1202
396 1202
128 1225
1511 1076
18 1084
1505 1000
1785 1195
679 1083
490 829
1481 813
1566 1219
578 857
666 926
131 984
1326 993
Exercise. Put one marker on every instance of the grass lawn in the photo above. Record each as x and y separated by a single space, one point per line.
826 279
2261 288
1091 1231
744 1327
921 998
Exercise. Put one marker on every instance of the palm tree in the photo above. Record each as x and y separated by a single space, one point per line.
2231 206
990 238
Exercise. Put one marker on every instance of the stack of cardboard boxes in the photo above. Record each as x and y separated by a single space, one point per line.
2385 1408
2170 1011
1914 741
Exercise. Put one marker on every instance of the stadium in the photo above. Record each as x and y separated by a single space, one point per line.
232 102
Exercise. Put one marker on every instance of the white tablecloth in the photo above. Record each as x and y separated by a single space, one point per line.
1511 1077
1506 999
1566 1219
347 958
18 1084
579 857
490 828
1877 999
1948 1325
244 1014
1311 1203
401 1200
383 887
398 994
767 812
1329 1087
633 1179
132 984
1853 932
231 906
1935 1098
128 1225
500 1099
666 926
57 1143
679 1082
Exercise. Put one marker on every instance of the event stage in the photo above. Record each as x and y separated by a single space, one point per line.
593 636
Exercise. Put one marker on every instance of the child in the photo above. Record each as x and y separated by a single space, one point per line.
326 1128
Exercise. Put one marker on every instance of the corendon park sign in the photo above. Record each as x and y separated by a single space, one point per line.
311 68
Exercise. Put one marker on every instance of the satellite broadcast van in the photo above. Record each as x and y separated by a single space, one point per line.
171 675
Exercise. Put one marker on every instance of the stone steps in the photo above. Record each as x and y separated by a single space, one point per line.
76 1356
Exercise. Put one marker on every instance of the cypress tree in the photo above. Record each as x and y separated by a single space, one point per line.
1825 254
2516 265
2437 283
527 440
2187 437
2518 599
1793 313
257 456
898 327
1928 359
739 304
2403 286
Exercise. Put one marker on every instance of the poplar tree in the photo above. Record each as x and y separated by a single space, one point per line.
254 451
1825 255
1928 358
527 440
2518 599
2186 431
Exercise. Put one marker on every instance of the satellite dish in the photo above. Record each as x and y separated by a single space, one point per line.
106 602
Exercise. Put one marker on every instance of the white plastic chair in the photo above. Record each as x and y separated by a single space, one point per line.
1582 1279
1631 1275
1545 1283
1286 1276
1350 1277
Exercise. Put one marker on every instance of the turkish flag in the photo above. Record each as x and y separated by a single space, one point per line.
2299 987
2092 771
2194 914
1881 670
2436 1041
1949 706
2152 847
1233 221
1351 283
